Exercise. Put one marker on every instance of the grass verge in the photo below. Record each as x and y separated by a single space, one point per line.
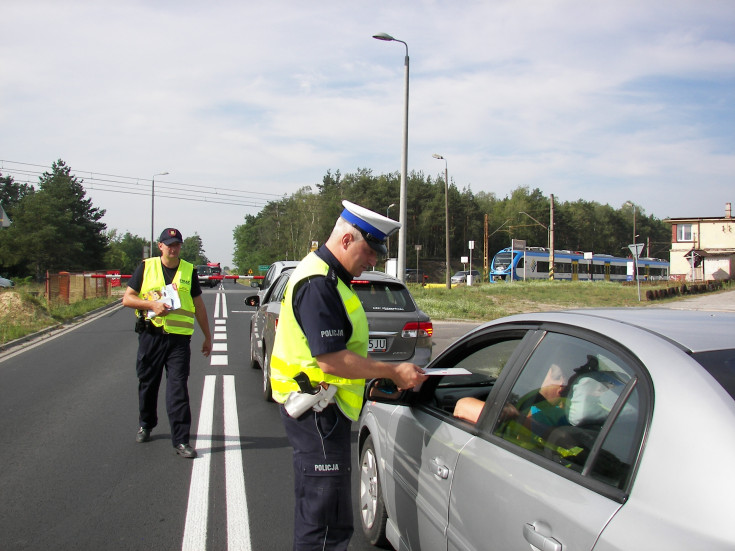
490 301
22 312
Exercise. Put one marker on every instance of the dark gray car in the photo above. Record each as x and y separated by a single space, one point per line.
399 330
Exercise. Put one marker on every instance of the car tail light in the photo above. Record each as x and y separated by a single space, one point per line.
417 329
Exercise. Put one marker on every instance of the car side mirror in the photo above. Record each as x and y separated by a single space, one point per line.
252 300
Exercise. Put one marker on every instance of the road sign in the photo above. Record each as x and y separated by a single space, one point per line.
263 267
636 249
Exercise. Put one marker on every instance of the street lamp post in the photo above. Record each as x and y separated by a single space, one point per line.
387 239
446 213
404 165
153 199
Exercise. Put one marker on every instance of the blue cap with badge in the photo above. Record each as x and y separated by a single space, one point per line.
374 227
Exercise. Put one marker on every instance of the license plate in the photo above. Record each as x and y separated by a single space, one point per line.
377 345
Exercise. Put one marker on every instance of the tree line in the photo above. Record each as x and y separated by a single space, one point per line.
56 227
285 229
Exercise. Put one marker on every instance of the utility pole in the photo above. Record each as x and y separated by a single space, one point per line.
551 238
486 266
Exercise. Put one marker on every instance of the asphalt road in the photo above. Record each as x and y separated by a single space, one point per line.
73 477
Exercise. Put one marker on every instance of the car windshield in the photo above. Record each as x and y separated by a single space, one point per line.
721 365
381 296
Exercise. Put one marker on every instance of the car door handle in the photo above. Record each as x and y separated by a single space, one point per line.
439 470
538 540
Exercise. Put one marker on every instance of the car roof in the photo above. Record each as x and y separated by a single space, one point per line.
694 330
373 275
286 263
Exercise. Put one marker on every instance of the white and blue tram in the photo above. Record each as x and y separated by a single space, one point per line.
533 263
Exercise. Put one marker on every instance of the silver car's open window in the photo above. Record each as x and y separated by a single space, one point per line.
485 360
577 404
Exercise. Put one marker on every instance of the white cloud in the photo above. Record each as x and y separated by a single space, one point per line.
602 101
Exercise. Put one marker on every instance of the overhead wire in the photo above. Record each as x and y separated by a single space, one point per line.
132 185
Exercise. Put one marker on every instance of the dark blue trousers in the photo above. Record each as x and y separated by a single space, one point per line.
157 352
322 460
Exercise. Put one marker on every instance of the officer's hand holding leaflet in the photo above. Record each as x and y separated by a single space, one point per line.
345 363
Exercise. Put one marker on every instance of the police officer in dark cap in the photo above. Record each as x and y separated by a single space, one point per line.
164 291
323 335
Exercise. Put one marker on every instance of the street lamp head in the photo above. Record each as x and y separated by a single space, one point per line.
160 174
383 36
437 156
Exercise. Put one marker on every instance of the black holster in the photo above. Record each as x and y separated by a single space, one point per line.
140 324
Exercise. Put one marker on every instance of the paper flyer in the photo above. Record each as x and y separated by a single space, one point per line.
168 295
448 371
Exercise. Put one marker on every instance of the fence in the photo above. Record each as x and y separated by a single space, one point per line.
68 288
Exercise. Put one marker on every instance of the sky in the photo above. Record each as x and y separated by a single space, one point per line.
245 102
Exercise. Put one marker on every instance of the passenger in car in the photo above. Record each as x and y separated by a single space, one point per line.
544 410
538 411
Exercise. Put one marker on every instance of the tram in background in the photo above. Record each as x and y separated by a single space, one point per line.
533 263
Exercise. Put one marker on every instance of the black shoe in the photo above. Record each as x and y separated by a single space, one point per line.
185 450
144 435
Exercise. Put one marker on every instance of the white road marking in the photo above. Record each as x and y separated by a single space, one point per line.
195 529
238 525
224 304
218 359
219 347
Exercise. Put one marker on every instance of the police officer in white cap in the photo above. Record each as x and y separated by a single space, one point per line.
323 333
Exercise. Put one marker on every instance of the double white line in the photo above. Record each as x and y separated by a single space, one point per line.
238 525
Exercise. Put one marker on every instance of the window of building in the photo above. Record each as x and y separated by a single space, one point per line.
684 232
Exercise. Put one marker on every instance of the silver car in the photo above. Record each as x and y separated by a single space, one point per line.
274 271
461 276
399 330
591 429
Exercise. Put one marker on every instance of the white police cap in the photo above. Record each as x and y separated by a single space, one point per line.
374 227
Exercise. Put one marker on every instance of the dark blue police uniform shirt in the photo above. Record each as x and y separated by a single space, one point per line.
319 310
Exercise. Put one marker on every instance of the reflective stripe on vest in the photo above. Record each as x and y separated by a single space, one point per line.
180 321
291 352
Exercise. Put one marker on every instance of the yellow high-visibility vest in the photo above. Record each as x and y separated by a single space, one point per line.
181 320
291 352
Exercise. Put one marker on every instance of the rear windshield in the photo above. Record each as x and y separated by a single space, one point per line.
384 297
721 365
